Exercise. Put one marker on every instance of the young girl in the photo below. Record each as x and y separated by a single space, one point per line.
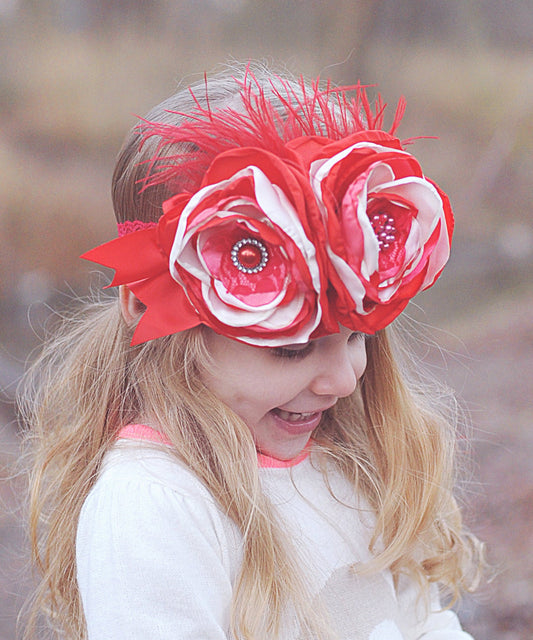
231 449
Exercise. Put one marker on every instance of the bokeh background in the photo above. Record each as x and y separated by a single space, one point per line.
73 75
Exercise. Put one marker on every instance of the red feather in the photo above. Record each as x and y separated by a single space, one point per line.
329 112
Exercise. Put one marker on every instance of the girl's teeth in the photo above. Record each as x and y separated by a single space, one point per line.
290 416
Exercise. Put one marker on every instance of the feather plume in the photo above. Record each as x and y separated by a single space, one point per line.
292 110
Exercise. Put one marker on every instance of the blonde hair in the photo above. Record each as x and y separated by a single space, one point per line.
385 438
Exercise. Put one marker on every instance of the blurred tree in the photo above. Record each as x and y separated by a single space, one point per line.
91 14
325 27
324 31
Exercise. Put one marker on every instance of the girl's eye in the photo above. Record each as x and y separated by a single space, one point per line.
295 351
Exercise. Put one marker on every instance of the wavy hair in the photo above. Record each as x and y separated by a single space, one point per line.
387 439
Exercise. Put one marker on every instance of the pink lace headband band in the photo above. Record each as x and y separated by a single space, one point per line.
130 226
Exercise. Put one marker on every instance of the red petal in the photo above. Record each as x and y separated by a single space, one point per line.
308 148
448 213
228 163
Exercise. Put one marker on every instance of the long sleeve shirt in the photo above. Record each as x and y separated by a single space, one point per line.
157 558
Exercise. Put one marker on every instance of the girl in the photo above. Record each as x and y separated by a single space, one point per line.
232 450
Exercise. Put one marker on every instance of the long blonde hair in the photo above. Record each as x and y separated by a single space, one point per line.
386 439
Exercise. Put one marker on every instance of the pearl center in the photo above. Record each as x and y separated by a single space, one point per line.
384 228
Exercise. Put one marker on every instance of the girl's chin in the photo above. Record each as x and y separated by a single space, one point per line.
284 438
284 451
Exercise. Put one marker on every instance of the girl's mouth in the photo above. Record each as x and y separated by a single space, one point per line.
292 416
295 423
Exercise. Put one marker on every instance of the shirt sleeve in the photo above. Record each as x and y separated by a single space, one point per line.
427 621
152 564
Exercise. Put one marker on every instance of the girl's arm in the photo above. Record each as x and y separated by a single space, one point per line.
152 563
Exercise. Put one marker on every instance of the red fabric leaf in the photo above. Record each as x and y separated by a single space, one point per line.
168 309
135 256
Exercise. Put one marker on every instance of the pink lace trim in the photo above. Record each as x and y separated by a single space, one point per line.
129 226
144 432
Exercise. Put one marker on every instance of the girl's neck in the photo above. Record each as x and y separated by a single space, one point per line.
146 433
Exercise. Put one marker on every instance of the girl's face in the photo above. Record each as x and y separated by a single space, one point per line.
281 393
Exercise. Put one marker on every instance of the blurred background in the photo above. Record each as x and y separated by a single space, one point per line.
73 75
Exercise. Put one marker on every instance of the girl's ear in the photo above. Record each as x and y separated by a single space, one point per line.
130 306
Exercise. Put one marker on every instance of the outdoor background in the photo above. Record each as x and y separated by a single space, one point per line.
73 75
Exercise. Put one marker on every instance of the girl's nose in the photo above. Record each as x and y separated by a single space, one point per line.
336 375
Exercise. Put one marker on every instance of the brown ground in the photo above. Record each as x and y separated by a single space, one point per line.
496 380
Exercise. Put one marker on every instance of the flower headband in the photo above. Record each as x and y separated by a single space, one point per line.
301 221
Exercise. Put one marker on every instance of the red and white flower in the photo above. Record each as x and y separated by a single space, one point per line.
239 255
244 258
388 227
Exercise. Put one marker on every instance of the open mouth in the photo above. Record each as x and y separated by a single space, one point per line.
294 417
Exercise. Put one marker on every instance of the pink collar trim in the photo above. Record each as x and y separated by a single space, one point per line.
144 432
267 462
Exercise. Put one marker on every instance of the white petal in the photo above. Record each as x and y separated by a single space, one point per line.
232 317
379 174
424 197
370 258
272 318
279 209
301 337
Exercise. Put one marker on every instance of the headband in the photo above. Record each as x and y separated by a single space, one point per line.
299 221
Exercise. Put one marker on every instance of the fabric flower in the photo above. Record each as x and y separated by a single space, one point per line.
388 227
239 255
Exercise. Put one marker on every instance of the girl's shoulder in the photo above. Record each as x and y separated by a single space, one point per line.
149 530
132 465
142 484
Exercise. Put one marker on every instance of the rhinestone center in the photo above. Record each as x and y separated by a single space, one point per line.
249 255
384 228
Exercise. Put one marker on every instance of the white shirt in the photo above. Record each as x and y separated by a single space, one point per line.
157 558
